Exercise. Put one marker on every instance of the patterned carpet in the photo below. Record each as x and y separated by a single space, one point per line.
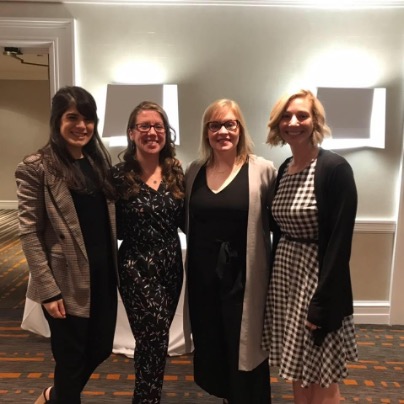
26 363
13 266
26 368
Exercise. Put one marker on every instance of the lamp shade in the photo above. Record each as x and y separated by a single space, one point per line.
356 116
123 98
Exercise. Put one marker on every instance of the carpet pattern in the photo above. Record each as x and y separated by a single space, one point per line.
26 367
13 266
26 364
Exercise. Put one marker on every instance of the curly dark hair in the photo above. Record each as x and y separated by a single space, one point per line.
171 169
56 154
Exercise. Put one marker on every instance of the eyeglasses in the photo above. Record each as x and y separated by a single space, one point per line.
215 126
146 127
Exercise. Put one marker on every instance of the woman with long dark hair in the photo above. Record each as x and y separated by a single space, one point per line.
67 226
150 186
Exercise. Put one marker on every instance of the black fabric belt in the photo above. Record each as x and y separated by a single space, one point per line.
300 239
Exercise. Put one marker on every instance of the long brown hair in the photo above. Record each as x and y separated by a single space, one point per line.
172 172
56 154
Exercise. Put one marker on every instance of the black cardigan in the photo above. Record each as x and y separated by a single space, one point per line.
336 197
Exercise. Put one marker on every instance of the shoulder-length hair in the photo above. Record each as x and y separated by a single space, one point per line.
56 153
172 172
320 128
216 111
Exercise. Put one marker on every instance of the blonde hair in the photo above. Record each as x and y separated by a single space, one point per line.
215 111
320 128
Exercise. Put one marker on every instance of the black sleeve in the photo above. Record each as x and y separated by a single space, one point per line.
333 296
53 299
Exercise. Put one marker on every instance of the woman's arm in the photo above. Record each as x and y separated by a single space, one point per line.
332 299
32 222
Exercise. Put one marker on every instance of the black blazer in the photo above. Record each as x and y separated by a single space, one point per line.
337 201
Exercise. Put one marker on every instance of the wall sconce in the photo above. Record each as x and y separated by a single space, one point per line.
356 116
123 98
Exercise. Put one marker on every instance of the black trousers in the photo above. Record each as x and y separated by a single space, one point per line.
150 313
216 362
216 325
79 345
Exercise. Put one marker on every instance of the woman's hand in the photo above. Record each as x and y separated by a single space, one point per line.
56 309
318 334
311 326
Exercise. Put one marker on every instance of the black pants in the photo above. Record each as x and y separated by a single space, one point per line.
79 345
216 363
150 307
216 328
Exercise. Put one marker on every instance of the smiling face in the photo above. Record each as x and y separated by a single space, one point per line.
296 124
76 130
224 140
148 142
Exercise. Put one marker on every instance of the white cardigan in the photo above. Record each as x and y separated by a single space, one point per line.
261 179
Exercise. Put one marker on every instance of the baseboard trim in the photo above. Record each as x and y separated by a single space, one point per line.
8 205
372 312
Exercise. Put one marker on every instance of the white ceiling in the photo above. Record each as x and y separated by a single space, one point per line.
14 69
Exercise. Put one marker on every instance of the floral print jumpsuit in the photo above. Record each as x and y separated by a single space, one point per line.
151 275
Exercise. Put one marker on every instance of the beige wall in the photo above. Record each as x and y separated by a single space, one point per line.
370 265
252 54
24 116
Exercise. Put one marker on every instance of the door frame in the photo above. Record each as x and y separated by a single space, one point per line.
55 34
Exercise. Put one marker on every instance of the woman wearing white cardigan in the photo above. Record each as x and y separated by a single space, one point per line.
227 196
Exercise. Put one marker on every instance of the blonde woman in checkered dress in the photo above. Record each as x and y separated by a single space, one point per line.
309 330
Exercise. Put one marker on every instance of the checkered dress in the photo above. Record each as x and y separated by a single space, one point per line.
293 283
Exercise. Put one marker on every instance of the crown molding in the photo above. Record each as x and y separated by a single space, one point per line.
335 4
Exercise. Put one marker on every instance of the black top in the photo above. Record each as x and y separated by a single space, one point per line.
92 212
220 216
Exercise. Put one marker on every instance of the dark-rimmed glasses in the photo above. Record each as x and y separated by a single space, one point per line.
146 127
215 126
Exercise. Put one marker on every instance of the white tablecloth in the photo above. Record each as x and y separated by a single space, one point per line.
124 343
